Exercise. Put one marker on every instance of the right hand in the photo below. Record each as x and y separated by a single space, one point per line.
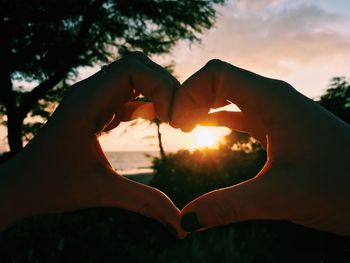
307 175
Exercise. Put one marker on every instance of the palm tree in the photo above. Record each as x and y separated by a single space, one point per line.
159 136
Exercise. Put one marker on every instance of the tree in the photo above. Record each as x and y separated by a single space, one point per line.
240 141
159 137
157 122
43 43
337 98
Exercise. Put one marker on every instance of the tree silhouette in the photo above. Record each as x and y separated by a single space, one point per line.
43 43
157 122
337 98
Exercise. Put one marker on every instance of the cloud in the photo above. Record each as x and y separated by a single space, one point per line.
299 35
256 4
276 42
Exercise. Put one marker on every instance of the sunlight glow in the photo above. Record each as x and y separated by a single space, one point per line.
206 137
132 137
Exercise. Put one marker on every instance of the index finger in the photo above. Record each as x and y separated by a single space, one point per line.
165 106
219 83
99 97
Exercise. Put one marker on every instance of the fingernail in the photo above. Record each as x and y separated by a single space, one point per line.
189 222
172 230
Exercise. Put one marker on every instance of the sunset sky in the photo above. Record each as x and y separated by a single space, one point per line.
303 42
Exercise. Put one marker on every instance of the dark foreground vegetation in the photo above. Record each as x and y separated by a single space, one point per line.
112 235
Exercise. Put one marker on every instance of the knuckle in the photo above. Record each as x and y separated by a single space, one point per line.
214 64
119 64
136 55
279 86
126 60
130 59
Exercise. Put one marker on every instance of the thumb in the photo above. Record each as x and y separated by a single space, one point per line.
131 111
236 121
246 201
145 200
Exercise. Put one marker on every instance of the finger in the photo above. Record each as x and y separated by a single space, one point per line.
187 111
246 201
218 82
136 109
236 121
100 96
199 93
232 120
162 106
131 111
118 191
154 66
112 124
152 83
151 64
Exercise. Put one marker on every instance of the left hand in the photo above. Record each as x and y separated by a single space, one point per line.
306 177
64 167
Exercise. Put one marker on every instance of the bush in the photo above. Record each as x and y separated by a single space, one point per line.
185 175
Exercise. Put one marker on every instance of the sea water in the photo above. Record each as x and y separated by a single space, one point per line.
132 163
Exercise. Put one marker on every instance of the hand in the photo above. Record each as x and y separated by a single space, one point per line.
307 176
64 168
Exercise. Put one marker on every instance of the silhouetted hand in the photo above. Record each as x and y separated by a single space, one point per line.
64 168
307 175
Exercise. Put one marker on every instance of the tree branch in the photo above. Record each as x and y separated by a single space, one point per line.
31 98
6 94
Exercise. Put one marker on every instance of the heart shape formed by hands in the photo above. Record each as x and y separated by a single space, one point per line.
74 172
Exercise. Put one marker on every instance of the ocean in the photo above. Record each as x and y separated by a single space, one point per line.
132 163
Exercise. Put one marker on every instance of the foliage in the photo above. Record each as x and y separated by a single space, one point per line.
40 112
337 98
44 34
185 175
45 42
113 235
240 141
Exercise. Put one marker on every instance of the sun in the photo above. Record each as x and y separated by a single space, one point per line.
206 137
